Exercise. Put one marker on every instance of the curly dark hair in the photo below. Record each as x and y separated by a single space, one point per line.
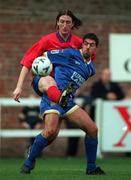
77 22
91 36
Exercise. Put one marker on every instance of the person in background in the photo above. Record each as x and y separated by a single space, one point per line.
105 89
29 119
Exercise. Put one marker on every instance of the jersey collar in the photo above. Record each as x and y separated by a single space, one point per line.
61 39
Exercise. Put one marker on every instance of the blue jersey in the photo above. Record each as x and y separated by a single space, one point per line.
70 67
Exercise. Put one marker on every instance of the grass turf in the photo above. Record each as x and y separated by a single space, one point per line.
65 169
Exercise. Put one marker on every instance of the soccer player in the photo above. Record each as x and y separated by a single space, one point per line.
75 67
66 21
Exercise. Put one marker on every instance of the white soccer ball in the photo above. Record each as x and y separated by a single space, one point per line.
42 66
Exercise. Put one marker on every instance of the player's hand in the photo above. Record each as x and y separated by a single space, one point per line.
16 94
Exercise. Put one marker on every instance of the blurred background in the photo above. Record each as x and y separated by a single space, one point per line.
22 23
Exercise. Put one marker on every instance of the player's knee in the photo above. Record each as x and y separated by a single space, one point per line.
45 83
93 131
50 133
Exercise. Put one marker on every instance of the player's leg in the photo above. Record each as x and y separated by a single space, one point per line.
49 133
47 84
83 121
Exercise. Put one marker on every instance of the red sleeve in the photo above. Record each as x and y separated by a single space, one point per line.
36 50
93 57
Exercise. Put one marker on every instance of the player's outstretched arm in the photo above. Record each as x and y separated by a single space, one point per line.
18 90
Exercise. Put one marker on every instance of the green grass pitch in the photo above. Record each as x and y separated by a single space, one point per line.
65 169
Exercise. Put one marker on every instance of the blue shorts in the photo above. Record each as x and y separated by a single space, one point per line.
47 106
35 85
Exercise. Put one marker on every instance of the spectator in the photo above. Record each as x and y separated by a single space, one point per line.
104 88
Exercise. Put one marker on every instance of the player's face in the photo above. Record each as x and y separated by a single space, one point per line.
65 24
88 47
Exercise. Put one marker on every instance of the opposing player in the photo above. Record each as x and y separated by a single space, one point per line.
66 21
75 67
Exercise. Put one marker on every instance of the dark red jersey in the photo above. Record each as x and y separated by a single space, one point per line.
49 42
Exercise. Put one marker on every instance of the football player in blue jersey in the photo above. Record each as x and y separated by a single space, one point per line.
70 74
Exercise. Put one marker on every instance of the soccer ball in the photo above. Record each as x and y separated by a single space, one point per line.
42 66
